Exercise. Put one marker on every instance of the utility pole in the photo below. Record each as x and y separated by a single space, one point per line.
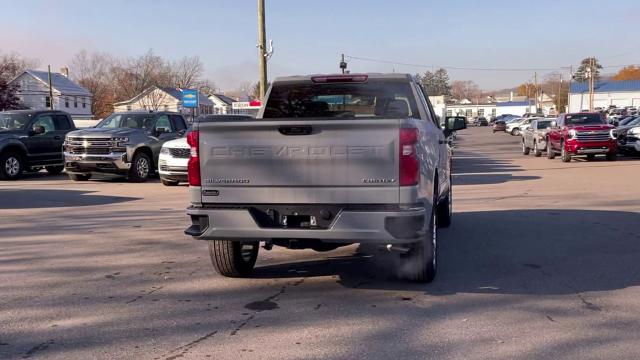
50 89
262 44
591 82
535 77
343 64
559 92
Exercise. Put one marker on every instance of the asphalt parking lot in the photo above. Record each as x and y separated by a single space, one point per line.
541 261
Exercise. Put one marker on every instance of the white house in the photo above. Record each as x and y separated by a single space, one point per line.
606 94
68 96
467 109
164 99
221 104
515 107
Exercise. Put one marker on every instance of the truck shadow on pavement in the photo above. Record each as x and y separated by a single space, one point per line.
50 198
540 252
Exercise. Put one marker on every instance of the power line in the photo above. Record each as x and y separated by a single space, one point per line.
560 68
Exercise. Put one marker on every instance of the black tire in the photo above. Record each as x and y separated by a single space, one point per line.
550 153
11 165
612 156
79 177
422 259
445 209
141 166
233 258
54 170
591 157
167 182
536 151
525 149
566 157
515 132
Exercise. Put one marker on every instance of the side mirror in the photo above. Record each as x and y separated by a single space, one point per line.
455 124
161 130
38 130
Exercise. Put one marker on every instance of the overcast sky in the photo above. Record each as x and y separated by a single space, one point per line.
309 36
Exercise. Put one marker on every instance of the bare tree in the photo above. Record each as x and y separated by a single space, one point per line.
12 64
466 89
187 72
94 72
133 76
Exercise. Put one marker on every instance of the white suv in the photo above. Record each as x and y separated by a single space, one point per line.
172 164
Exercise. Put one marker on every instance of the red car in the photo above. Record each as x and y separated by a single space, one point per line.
581 134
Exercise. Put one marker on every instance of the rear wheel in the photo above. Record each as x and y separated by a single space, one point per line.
79 177
54 170
525 148
612 156
11 166
445 209
233 258
536 151
421 263
550 153
566 157
515 132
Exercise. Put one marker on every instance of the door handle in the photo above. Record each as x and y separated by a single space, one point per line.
57 137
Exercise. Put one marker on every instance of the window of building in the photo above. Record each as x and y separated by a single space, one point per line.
449 112
66 102
47 101
128 107
75 102
493 112
480 112
469 112
166 108
84 102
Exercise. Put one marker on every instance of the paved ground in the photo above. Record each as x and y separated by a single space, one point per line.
542 261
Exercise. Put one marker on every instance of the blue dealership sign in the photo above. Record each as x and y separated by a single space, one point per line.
190 98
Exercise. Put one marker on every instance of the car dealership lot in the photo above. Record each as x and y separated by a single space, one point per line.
541 261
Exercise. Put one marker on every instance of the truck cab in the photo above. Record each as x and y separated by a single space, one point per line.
581 134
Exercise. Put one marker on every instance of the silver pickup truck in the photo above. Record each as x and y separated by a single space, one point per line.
330 160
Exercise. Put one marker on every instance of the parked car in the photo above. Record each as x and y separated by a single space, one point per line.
481 121
321 178
629 140
516 125
124 143
534 137
172 163
499 125
580 134
31 140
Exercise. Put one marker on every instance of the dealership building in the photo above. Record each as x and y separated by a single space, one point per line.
606 94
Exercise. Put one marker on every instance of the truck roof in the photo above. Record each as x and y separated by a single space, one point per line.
371 76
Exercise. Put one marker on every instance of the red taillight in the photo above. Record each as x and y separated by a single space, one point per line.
193 168
409 164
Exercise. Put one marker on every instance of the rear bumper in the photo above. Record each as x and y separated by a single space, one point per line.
592 147
349 226
115 163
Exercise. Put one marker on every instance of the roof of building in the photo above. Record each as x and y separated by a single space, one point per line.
171 91
59 82
515 103
607 86
227 100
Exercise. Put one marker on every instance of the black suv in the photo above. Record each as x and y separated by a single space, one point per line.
31 140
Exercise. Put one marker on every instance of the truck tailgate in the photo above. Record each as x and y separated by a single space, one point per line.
263 161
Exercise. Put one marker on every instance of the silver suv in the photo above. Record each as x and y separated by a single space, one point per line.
330 160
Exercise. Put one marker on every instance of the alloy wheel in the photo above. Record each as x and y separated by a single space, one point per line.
12 166
142 167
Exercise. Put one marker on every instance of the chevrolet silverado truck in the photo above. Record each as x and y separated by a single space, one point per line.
330 160
581 134
31 140
534 137
124 143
